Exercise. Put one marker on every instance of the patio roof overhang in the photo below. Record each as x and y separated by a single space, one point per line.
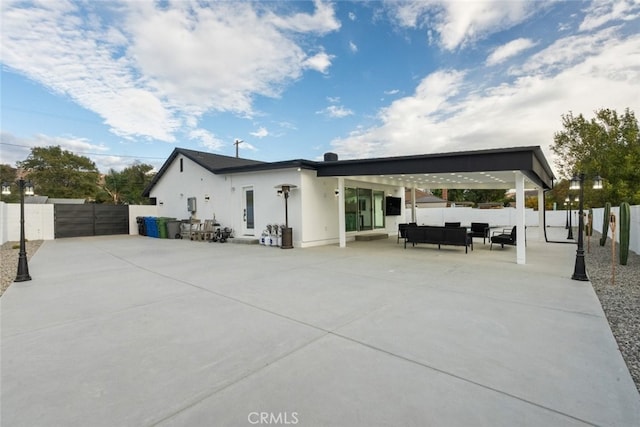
488 169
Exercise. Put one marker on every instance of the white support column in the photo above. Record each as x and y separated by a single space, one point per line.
413 204
540 214
521 252
342 225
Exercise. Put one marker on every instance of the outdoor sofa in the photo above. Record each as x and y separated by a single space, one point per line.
438 236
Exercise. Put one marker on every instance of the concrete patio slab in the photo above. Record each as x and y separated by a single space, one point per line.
129 330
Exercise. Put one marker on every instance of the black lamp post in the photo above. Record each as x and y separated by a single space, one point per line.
23 266
577 183
570 225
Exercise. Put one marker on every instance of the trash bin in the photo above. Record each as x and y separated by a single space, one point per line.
287 238
162 227
151 226
142 230
173 229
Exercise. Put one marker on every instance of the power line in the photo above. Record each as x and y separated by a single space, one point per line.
57 116
91 154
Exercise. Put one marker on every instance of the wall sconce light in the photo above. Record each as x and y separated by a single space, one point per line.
337 192
206 197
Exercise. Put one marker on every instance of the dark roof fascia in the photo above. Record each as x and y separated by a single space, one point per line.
530 160
287 164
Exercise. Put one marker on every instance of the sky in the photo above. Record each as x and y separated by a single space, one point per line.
128 81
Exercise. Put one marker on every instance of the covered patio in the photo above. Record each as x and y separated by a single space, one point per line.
516 168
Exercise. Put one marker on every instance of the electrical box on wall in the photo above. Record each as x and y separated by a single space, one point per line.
191 204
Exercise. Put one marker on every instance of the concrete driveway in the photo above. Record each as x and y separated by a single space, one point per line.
136 331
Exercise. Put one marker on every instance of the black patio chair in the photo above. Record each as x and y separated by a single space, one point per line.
452 224
480 229
503 238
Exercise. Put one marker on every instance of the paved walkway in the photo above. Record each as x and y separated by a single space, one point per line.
136 331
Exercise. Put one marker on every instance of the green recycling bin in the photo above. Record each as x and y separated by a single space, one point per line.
162 227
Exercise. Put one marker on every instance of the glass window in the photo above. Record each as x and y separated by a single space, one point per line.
351 209
378 209
365 209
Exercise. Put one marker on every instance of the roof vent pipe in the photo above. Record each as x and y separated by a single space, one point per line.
330 157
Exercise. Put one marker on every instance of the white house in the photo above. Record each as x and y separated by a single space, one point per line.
243 194
333 201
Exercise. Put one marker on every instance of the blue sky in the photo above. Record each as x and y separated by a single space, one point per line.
120 81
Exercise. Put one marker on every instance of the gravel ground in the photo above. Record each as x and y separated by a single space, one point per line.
620 301
9 257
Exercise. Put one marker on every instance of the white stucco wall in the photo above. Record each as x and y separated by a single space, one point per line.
175 187
38 222
139 210
320 207
222 196
268 207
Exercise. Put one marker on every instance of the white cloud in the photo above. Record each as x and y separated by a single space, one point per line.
352 16
336 111
459 23
319 62
442 116
601 12
508 50
206 139
353 47
150 70
392 92
260 133
567 51
322 21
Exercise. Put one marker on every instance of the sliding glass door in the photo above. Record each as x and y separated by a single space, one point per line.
363 209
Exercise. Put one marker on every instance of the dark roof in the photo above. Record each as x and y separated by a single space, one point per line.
212 162
529 160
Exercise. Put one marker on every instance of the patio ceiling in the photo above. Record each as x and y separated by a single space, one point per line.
455 180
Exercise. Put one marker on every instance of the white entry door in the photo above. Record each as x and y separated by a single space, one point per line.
248 220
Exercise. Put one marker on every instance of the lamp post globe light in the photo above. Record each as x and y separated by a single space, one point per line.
577 183
25 188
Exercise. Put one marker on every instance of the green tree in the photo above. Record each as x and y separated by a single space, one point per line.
9 175
126 187
484 196
60 173
607 145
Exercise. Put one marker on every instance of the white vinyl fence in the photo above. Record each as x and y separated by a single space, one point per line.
39 221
